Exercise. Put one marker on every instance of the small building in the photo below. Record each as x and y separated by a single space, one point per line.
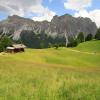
10 49
16 48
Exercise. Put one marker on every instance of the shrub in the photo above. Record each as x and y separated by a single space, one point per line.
5 41
1 47
72 42
56 46
89 37
97 36
80 37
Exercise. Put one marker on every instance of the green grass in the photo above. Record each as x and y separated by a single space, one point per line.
90 46
50 74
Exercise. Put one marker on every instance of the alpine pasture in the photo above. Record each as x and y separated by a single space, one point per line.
50 74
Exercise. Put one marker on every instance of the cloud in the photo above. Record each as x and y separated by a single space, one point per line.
45 15
77 4
23 7
79 7
94 15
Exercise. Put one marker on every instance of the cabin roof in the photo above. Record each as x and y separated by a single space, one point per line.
11 48
18 46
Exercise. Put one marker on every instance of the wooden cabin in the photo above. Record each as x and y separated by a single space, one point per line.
16 48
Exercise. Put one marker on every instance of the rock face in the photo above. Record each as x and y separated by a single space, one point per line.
61 26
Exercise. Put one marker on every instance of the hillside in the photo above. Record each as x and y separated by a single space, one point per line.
88 55
50 74
90 46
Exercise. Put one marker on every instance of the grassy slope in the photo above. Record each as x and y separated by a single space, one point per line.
90 46
50 74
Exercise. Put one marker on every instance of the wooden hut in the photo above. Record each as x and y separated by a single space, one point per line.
10 49
16 48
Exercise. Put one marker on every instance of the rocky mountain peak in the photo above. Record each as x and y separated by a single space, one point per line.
14 17
59 25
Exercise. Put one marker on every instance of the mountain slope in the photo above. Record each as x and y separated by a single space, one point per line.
59 25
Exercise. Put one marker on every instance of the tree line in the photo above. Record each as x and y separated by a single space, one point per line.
42 40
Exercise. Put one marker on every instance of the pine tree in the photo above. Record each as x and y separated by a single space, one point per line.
80 37
4 42
97 36
89 37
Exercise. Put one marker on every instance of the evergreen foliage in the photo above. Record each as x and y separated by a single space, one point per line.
80 37
72 41
97 36
33 40
89 37
4 42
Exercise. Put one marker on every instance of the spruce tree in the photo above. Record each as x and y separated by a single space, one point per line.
97 36
80 37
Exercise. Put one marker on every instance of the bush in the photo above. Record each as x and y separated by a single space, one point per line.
1 48
97 36
4 42
89 37
56 46
72 42
80 37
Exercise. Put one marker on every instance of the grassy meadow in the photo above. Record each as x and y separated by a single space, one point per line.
50 74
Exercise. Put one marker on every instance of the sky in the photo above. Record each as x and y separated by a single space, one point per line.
40 10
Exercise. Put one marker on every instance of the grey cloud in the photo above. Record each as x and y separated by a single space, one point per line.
15 6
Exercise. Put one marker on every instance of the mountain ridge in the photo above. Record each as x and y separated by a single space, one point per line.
59 25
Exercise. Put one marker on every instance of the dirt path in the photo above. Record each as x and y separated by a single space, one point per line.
91 53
